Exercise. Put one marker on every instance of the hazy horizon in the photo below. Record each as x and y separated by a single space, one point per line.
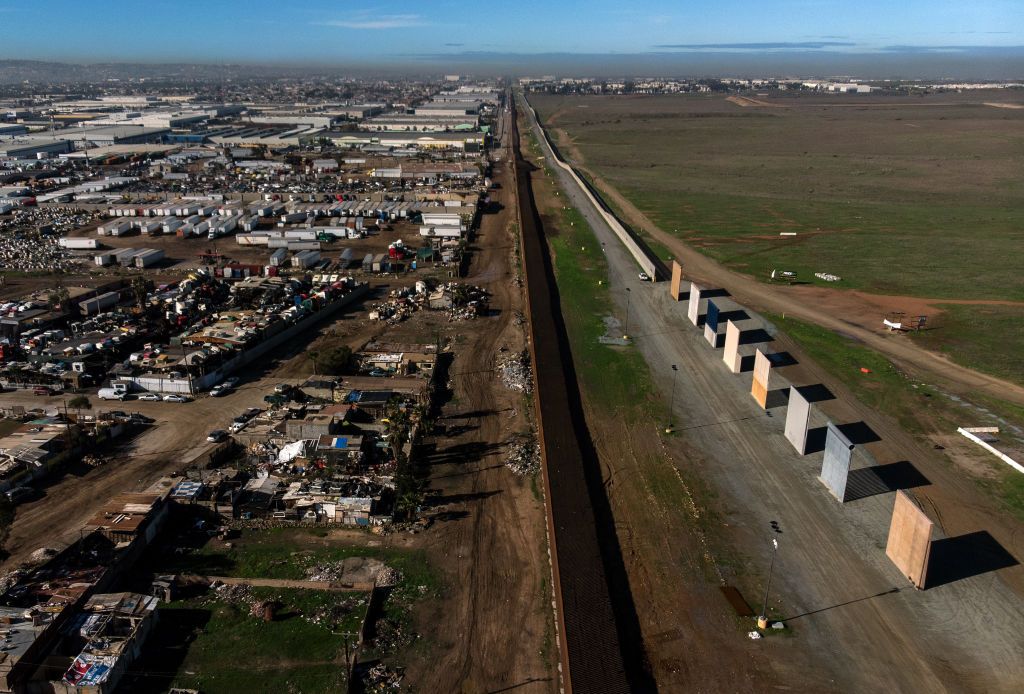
874 39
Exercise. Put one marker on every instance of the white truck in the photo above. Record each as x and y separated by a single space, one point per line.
116 391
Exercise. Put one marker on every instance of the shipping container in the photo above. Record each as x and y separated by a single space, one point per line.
148 257
78 244
278 257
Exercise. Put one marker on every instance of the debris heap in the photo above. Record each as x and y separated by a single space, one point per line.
380 678
524 456
514 368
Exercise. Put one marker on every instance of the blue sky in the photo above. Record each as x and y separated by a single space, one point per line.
260 31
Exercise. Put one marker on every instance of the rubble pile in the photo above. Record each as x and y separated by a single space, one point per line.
333 615
326 571
388 577
380 678
515 372
523 456
391 636
237 594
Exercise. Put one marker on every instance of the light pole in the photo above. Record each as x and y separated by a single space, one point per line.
625 331
762 621
672 400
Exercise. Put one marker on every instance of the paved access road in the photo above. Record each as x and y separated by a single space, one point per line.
858 621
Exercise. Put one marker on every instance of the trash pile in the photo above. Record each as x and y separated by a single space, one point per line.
827 276
391 635
515 372
325 572
237 594
332 615
461 302
523 456
388 577
380 678
518 318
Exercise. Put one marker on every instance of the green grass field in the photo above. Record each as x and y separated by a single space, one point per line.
987 338
236 652
917 407
920 196
286 553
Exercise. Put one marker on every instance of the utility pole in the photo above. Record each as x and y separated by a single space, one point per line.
625 331
762 621
672 400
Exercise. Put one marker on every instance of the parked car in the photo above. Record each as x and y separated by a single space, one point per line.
237 426
18 494
281 388
231 381
175 398
218 391
42 390
644 277
251 412
150 397
217 435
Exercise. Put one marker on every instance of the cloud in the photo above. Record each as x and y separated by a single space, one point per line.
952 49
767 46
365 20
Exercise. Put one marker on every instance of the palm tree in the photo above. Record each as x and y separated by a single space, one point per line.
79 403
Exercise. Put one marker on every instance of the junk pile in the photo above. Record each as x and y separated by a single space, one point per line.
514 368
523 456
380 678
326 571
29 239
331 616
827 276
237 594
388 577
459 301
391 635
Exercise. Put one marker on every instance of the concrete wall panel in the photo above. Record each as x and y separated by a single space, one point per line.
732 357
910 539
762 371
693 309
835 467
798 414
675 288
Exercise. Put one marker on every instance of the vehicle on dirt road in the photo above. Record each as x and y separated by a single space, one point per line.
175 398
150 397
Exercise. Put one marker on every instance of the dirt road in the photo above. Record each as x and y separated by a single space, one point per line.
827 308
491 631
858 624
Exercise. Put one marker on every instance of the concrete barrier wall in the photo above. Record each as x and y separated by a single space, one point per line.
675 288
645 263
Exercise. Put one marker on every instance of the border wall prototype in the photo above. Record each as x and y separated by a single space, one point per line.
675 288
835 466
910 540
762 372
693 307
645 263
798 415
732 358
